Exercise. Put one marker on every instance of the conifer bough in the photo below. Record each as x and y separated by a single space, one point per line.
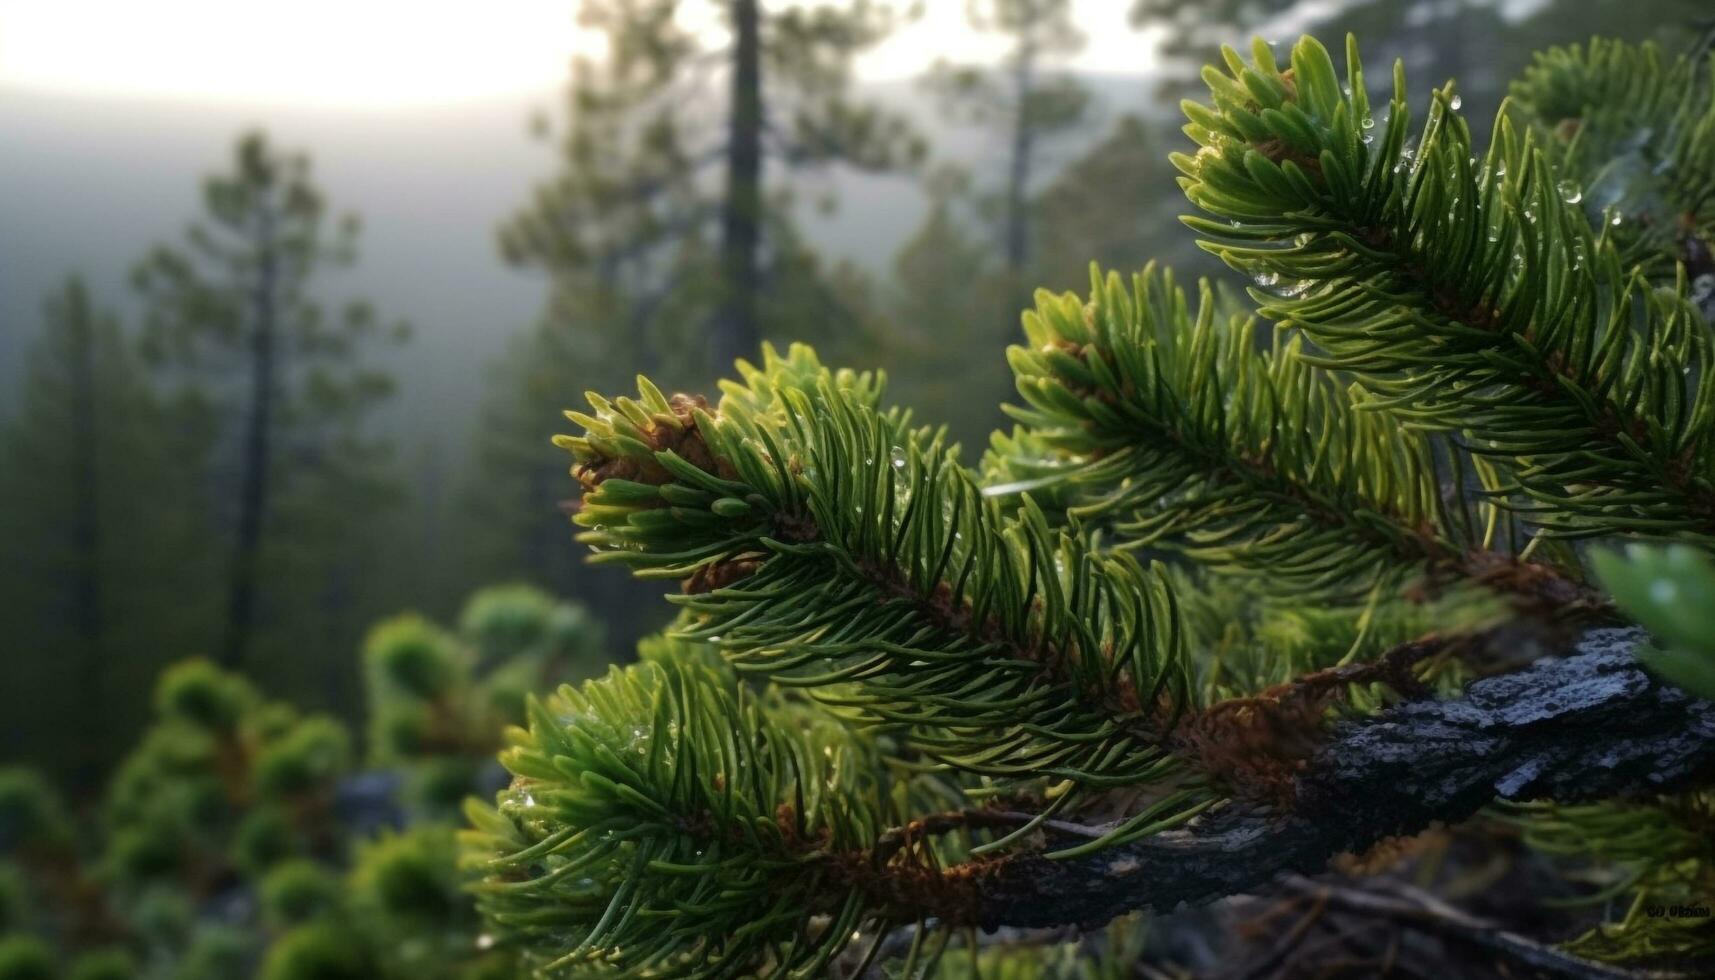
830 545
1468 296
894 697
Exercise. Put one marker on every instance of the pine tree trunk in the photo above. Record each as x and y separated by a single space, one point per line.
86 519
734 332
253 494
1018 184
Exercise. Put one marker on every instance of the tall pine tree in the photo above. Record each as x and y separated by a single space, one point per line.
667 233
103 579
1024 99
678 150
237 321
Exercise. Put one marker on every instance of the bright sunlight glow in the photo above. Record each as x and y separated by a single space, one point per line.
364 53
384 53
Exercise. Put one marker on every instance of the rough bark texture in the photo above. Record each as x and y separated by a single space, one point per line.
1588 726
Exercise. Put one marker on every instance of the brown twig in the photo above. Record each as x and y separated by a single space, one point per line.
1417 909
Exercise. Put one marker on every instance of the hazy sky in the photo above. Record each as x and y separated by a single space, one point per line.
369 53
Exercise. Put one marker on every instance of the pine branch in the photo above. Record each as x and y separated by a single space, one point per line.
664 821
1590 726
1661 854
1636 131
1172 429
833 547
1466 296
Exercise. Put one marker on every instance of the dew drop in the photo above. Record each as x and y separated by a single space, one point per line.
1369 122
1570 192
898 458
1456 103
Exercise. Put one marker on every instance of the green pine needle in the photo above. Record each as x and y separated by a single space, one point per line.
1467 295
1168 426
827 544
1636 131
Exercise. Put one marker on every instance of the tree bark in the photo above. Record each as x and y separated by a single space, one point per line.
734 331
257 454
1018 178
1590 726
86 517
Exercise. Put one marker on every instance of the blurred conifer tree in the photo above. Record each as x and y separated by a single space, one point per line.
1028 102
668 232
237 324
103 537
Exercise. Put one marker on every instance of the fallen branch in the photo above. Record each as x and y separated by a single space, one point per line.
1419 910
1590 726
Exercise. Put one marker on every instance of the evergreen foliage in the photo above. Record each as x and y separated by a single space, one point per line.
438 701
104 529
235 840
1166 425
659 222
224 783
1465 416
1635 130
1466 296
931 329
1642 856
672 774
1027 101
1113 953
245 297
797 483
25 958
103 964
1105 207
670 234
921 678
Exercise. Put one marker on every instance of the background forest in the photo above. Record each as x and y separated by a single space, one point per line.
239 421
